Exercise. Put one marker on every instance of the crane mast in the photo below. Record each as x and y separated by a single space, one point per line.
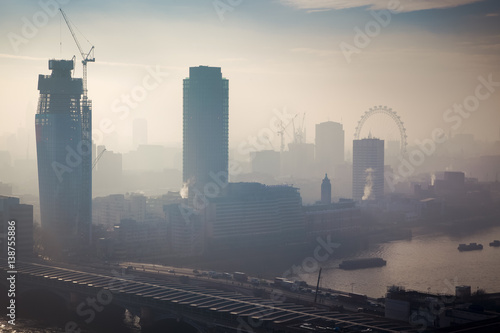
281 132
84 216
98 158
86 57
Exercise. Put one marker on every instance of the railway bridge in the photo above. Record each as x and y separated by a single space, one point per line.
87 293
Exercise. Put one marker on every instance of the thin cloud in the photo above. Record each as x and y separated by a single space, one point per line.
105 63
317 52
405 5
126 64
18 57
241 59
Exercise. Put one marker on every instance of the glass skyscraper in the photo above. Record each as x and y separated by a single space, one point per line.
205 128
368 169
62 126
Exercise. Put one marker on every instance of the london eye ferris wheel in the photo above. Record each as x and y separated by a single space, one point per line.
383 123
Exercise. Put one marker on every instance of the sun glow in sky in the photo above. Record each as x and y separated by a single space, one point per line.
329 59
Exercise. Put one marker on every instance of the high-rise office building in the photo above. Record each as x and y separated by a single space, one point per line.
368 169
326 191
205 130
63 132
329 148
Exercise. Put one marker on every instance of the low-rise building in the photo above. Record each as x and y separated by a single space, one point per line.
12 210
428 311
341 219
245 216
134 240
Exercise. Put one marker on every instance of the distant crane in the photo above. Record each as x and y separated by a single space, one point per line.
87 57
98 158
270 143
299 135
281 133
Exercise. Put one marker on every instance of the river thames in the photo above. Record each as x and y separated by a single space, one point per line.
429 262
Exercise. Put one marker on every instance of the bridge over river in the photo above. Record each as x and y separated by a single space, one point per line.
87 292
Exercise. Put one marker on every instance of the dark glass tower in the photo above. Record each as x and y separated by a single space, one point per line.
205 131
368 169
63 123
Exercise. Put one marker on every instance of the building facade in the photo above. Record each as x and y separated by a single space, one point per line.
247 216
329 146
63 133
110 210
339 220
186 228
368 169
12 210
254 215
205 126
108 172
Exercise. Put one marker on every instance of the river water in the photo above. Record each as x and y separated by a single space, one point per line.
429 262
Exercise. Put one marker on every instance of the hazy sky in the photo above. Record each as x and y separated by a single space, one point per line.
307 56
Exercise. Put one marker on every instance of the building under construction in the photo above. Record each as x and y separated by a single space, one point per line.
63 137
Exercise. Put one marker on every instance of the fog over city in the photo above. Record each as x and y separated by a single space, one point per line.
207 131
278 54
323 61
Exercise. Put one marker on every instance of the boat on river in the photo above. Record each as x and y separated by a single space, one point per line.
470 247
495 243
362 263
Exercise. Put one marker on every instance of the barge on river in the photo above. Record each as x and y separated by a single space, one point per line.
362 263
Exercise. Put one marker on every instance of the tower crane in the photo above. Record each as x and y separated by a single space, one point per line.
281 133
86 104
87 57
299 135
84 214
